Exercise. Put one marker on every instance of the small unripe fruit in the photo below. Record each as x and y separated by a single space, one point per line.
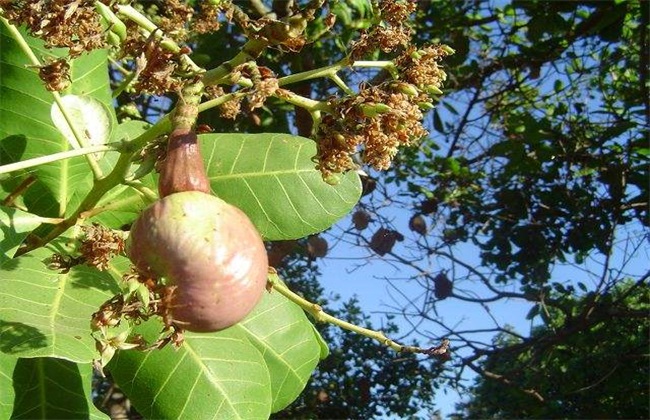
443 286
209 250
317 247
418 224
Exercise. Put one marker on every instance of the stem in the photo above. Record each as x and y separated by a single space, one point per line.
316 311
387 65
143 22
146 192
310 105
212 103
129 77
327 71
250 51
56 157
102 186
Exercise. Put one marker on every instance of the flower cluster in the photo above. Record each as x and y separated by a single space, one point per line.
155 65
380 119
383 118
72 24
395 32
100 245
420 67
55 74
176 17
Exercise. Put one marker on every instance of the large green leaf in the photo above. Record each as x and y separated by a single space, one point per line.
7 365
27 130
45 313
14 227
211 376
48 388
273 179
289 343
247 371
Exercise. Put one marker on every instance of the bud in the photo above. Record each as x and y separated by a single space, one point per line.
447 49
433 90
332 179
406 88
425 106
372 110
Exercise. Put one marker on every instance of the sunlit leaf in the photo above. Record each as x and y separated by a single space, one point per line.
27 130
273 179
7 365
247 371
46 313
14 227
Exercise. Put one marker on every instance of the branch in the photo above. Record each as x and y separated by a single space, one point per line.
505 381
316 311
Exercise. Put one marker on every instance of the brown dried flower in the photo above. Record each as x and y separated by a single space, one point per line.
100 245
386 38
379 118
175 16
262 89
72 24
208 18
228 110
155 65
56 75
420 67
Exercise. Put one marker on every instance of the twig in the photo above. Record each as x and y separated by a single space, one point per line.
316 311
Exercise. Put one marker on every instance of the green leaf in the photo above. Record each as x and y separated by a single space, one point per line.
7 365
88 116
27 130
45 313
15 225
247 371
280 331
48 388
273 179
210 376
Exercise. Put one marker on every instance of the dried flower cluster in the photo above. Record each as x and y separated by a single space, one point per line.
56 75
383 118
420 67
380 119
72 24
155 65
176 18
228 110
100 245
395 33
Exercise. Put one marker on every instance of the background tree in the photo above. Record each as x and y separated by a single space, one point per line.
609 381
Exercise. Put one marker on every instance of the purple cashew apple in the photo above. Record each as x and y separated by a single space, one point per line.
209 250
